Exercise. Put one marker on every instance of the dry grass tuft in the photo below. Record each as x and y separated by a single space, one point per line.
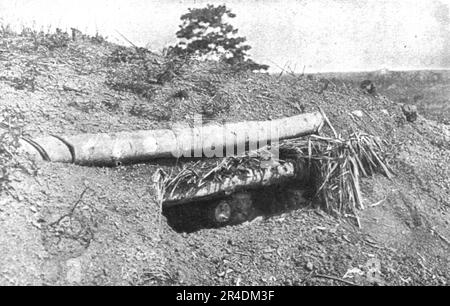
335 166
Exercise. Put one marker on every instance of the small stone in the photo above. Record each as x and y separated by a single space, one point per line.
368 87
266 256
309 266
410 112
358 113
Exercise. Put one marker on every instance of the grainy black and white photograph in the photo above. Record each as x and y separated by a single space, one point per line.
234 144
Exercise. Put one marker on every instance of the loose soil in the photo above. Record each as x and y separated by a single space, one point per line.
103 226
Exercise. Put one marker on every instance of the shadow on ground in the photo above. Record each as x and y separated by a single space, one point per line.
265 203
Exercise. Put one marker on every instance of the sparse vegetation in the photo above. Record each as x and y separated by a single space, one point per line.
53 41
131 69
141 71
11 125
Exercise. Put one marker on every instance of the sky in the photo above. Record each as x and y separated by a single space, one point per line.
300 35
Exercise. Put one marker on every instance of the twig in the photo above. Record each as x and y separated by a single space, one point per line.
68 88
72 209
377 203
336 279
129 41
368 114
328 121
441 236
307 277
372 244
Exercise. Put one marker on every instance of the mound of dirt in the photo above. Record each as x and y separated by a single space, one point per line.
78 225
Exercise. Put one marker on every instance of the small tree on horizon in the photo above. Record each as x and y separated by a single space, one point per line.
204 31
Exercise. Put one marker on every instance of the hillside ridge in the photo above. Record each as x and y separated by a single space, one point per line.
83 225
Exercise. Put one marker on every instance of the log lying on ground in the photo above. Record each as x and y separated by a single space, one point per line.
256 178
136 146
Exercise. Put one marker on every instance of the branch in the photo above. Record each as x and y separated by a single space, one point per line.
70 213
335 279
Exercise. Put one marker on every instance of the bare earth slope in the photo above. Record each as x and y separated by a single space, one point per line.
78 225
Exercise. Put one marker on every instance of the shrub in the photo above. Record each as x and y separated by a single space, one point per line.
205 32
52 41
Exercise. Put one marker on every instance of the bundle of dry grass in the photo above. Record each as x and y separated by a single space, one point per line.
335 166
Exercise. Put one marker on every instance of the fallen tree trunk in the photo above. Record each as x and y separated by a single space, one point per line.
256 178
137 146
